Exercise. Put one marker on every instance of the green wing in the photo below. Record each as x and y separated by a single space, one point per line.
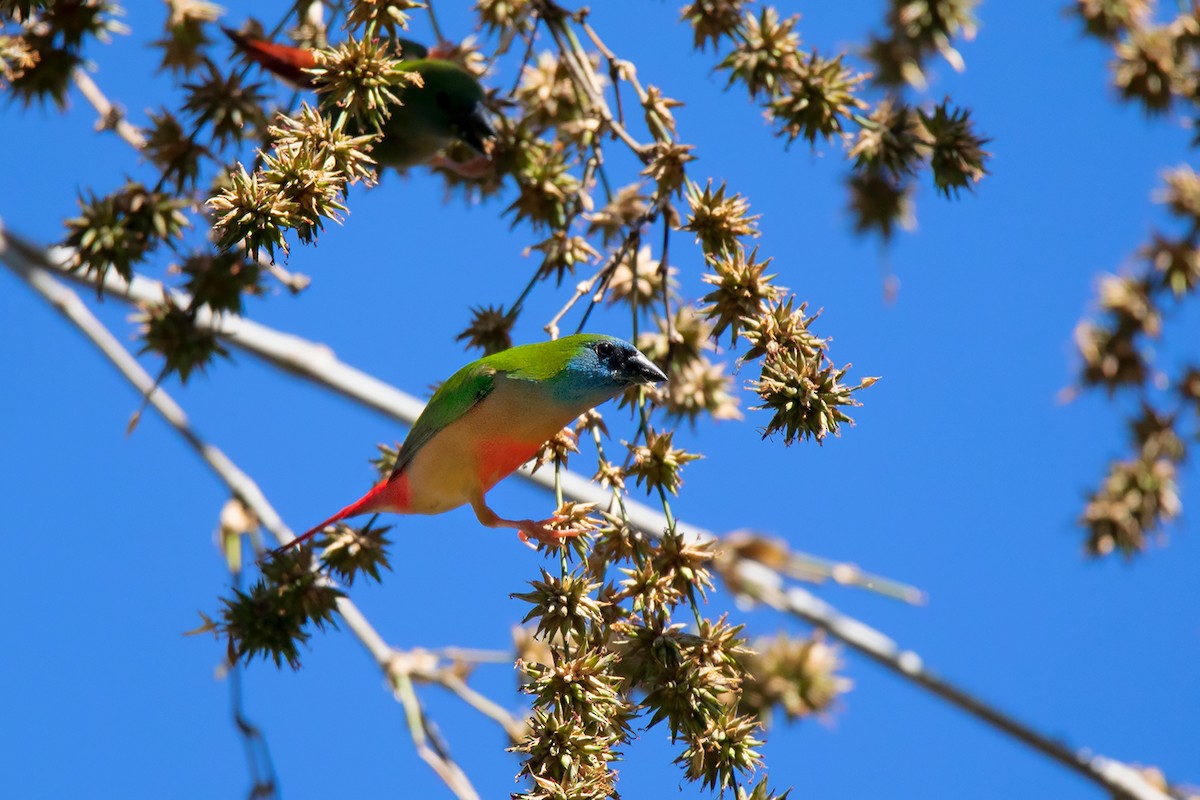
463 391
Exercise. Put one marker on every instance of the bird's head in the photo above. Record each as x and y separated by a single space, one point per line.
599 367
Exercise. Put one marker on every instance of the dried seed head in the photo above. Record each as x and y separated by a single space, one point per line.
797 675
817 99
719 222
742 290
490 329
657 463
712 19
640 280
956 153
765 50
805 394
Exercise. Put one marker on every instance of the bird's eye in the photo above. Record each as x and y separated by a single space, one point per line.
606 350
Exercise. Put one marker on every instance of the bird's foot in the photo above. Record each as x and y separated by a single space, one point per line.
474 169
543 533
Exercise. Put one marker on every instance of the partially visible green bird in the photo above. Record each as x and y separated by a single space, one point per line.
491 417
448 106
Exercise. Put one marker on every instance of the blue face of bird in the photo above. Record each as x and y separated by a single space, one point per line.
606 367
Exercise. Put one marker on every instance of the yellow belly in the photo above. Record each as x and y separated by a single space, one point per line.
470 455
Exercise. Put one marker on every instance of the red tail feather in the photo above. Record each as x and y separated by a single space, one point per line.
387 495
281 60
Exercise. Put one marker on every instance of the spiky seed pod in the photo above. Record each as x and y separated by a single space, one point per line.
315 193
545 186
584 687
1146 66
548 94
685 340
1175 263
711 20
326 146
349 552
1129 300
931 24
219 280
171 332
231 108
1136 499
557 450
806 396
251 210
723 751
185 40
798 675
658 110
174 151
119 230
505 16
702 387
817 99
1111 357
620 215
16 56
890 142
651 592
657 464
380 17
490 329
639 280
956 153
684 564
1109 19
879 203
719 222
361 78
273 618
766 48
561 252
567 758
781 326
742 290
562 606
1181 194
1156 436
665 167
385 462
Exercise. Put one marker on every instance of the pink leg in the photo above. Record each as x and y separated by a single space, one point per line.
478 167
527 529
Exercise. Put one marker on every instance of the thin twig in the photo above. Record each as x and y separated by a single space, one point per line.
427 745
111 117
747 578
585 78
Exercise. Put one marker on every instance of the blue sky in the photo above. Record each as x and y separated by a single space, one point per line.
964 474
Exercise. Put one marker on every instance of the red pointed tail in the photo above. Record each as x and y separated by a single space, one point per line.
281 60
387 495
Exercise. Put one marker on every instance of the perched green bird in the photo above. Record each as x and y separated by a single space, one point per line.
449 104
491 417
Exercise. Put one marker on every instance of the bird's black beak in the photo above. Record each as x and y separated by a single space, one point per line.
477 131
643 370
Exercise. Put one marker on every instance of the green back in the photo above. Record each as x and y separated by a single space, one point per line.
468 387
428 117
